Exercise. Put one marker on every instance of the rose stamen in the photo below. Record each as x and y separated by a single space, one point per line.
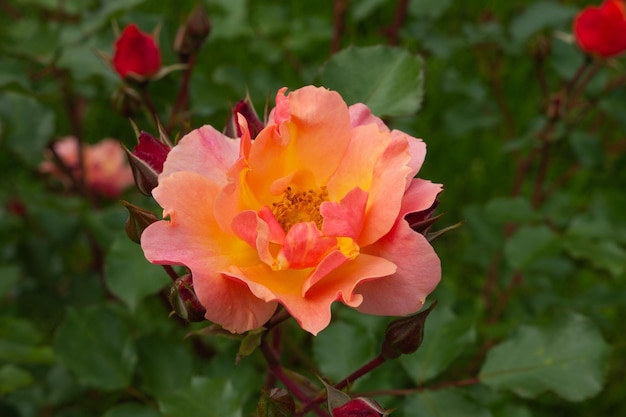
298 207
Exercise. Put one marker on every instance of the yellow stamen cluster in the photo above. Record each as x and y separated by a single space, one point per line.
301 206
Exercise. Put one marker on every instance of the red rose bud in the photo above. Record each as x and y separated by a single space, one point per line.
136 54
191 35
184 300
405 335
601 31
360 407
246 109
276 403
146 161
152 151
138 219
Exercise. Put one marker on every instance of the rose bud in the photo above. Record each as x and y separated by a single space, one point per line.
405 335
138 219
601 31
137 54
192 34
146 161
184 300
360 407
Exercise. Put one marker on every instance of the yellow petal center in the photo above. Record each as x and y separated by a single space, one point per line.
301 206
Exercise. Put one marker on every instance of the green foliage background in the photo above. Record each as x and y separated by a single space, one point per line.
533 289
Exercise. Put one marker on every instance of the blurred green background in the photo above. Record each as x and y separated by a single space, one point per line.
539 263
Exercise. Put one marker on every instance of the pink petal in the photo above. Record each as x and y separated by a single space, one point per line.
418 273
204 151
318 122
305 246
420 195
192 237
417 149
312 310
229 302
345 218
386 191
360 115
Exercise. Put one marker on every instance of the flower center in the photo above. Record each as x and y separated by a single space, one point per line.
298 207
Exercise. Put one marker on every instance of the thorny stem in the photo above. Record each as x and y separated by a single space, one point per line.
399 17
339 19
277 371
170 271
364 370
182 99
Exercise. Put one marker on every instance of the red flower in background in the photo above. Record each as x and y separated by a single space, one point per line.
136 53
601 31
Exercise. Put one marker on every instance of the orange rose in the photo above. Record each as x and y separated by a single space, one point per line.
310 212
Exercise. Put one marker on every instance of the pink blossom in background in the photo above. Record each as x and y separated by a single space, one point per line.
309 213
107 172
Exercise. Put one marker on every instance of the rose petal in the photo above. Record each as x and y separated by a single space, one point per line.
345 218
418 273
204 151
192 237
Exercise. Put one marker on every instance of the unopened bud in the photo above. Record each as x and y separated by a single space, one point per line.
246 109
192 34
360 407
405 335
184 300
276 403
146 161
138 219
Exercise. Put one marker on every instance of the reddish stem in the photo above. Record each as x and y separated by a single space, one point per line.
339 20
182 99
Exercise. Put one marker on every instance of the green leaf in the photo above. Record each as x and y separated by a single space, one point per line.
445 338
428 9
443 403
20 342
341 349
528 244
567 357
13 378
250 342
129 275
131 410
96 345
204 397
538 16
26 126
388 80
163 365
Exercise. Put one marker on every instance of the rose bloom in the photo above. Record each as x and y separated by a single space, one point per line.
106 170
309 213
601 31
136 53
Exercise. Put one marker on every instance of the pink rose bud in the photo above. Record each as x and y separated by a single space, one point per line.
360 407
184 300
146 161
138 220
192 34
137 54
405 335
